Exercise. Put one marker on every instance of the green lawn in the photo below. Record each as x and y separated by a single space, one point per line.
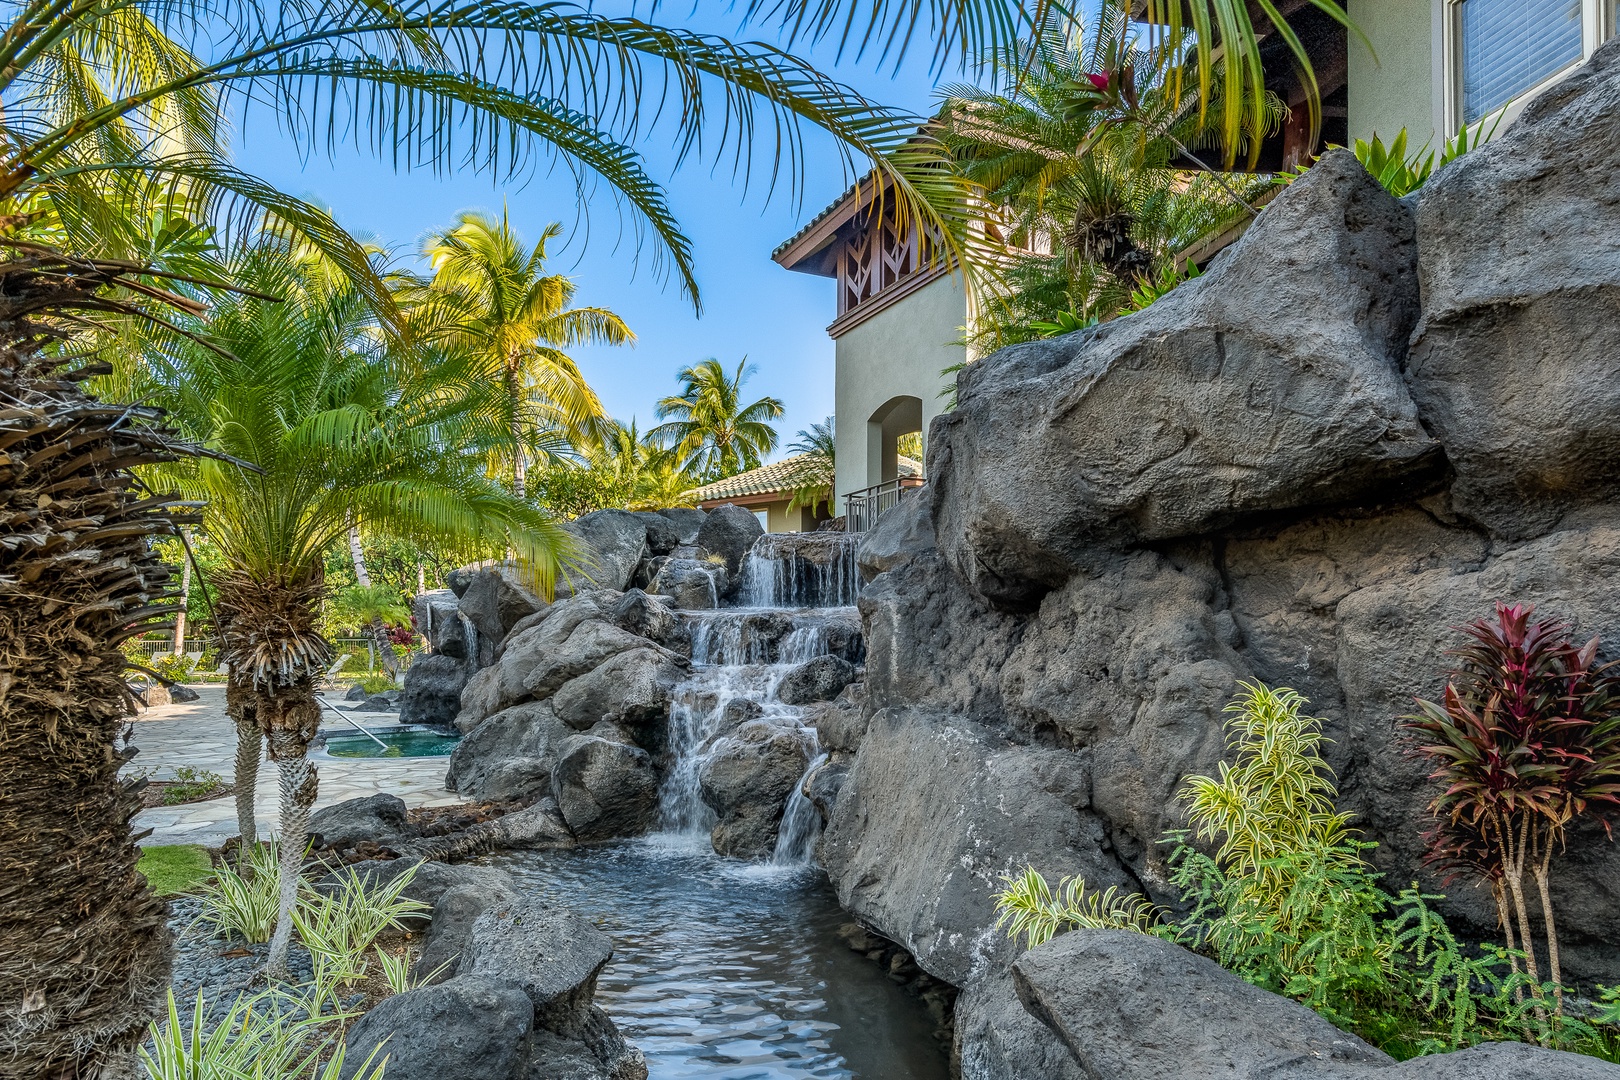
175 869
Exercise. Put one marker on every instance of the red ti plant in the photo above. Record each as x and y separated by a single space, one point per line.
1526 742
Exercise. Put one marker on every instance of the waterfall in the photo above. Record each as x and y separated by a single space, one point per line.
797 596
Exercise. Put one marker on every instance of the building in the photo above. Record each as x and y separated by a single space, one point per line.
768 491
900 320
1439 64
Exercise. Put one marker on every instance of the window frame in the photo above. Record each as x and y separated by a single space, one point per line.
1597 26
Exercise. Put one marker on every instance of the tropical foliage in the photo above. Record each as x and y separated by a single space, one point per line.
339 427
709 429
490 299
1086 146
1287 901
819 446
1526 743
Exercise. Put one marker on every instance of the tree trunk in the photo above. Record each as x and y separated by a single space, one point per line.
86 956
299 785
249 748
381 646
185 598
270 639
1513 869
1554 968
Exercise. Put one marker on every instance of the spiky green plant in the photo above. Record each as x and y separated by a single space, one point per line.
1028 906
707 426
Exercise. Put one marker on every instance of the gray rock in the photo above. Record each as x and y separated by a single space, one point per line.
1488 1061
1512 364
509 756
747 779
428 884
739 711
380 819
935 811
605 788
376 703
480 699
821 679
997 1038
613 544
900 535
1132 1007
438 619
355 693
929 638
1171 422
453 918
460 579
650 617
470 1028
662 535
496 598
538 663
688 522
838 727
691 584
180 695
550 953
729 531
823 785
432 690
632 688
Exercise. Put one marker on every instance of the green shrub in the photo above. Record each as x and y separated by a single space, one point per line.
190 784
273 1035
339 927
376 683
1288 902
171 668
243 900
174 869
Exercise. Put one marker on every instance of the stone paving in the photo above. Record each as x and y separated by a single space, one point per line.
199 734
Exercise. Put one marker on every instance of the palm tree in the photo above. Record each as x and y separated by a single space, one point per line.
819 446
372 608
338 428
714 435
491 297
86 954
1096 202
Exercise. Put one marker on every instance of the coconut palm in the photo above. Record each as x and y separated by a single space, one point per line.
714 434
491 298
372 607
819 446
339 429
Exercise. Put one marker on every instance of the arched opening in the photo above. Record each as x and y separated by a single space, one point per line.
896 419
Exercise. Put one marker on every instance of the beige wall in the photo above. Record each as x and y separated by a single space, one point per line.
896 354
1400 89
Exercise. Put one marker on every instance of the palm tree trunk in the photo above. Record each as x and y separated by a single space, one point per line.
249 748
380 643
299 784
270 638
185 598
86 955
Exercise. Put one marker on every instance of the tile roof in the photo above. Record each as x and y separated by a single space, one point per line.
781 476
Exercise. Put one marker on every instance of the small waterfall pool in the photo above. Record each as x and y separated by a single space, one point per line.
734 971
728 968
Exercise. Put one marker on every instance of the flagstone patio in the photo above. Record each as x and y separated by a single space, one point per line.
199 734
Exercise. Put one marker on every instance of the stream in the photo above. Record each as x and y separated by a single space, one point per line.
724 968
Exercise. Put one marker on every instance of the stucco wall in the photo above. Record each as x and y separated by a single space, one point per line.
899 352
1401 88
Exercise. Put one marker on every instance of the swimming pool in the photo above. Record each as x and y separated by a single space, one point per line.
406 741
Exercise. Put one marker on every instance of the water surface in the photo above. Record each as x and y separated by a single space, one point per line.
731 970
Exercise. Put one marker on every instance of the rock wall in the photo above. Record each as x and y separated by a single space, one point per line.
1368 422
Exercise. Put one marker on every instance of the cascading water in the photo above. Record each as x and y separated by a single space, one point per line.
799 591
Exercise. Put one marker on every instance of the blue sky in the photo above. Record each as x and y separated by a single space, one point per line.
751 305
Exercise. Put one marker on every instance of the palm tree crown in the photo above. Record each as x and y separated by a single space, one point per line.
491 299
713 433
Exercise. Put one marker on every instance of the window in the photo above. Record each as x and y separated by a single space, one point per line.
1509 46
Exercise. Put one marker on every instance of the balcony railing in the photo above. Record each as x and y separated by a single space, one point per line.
863 508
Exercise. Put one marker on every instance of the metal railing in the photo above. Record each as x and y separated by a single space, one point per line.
863 508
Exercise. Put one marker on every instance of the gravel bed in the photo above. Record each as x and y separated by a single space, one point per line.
221 970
